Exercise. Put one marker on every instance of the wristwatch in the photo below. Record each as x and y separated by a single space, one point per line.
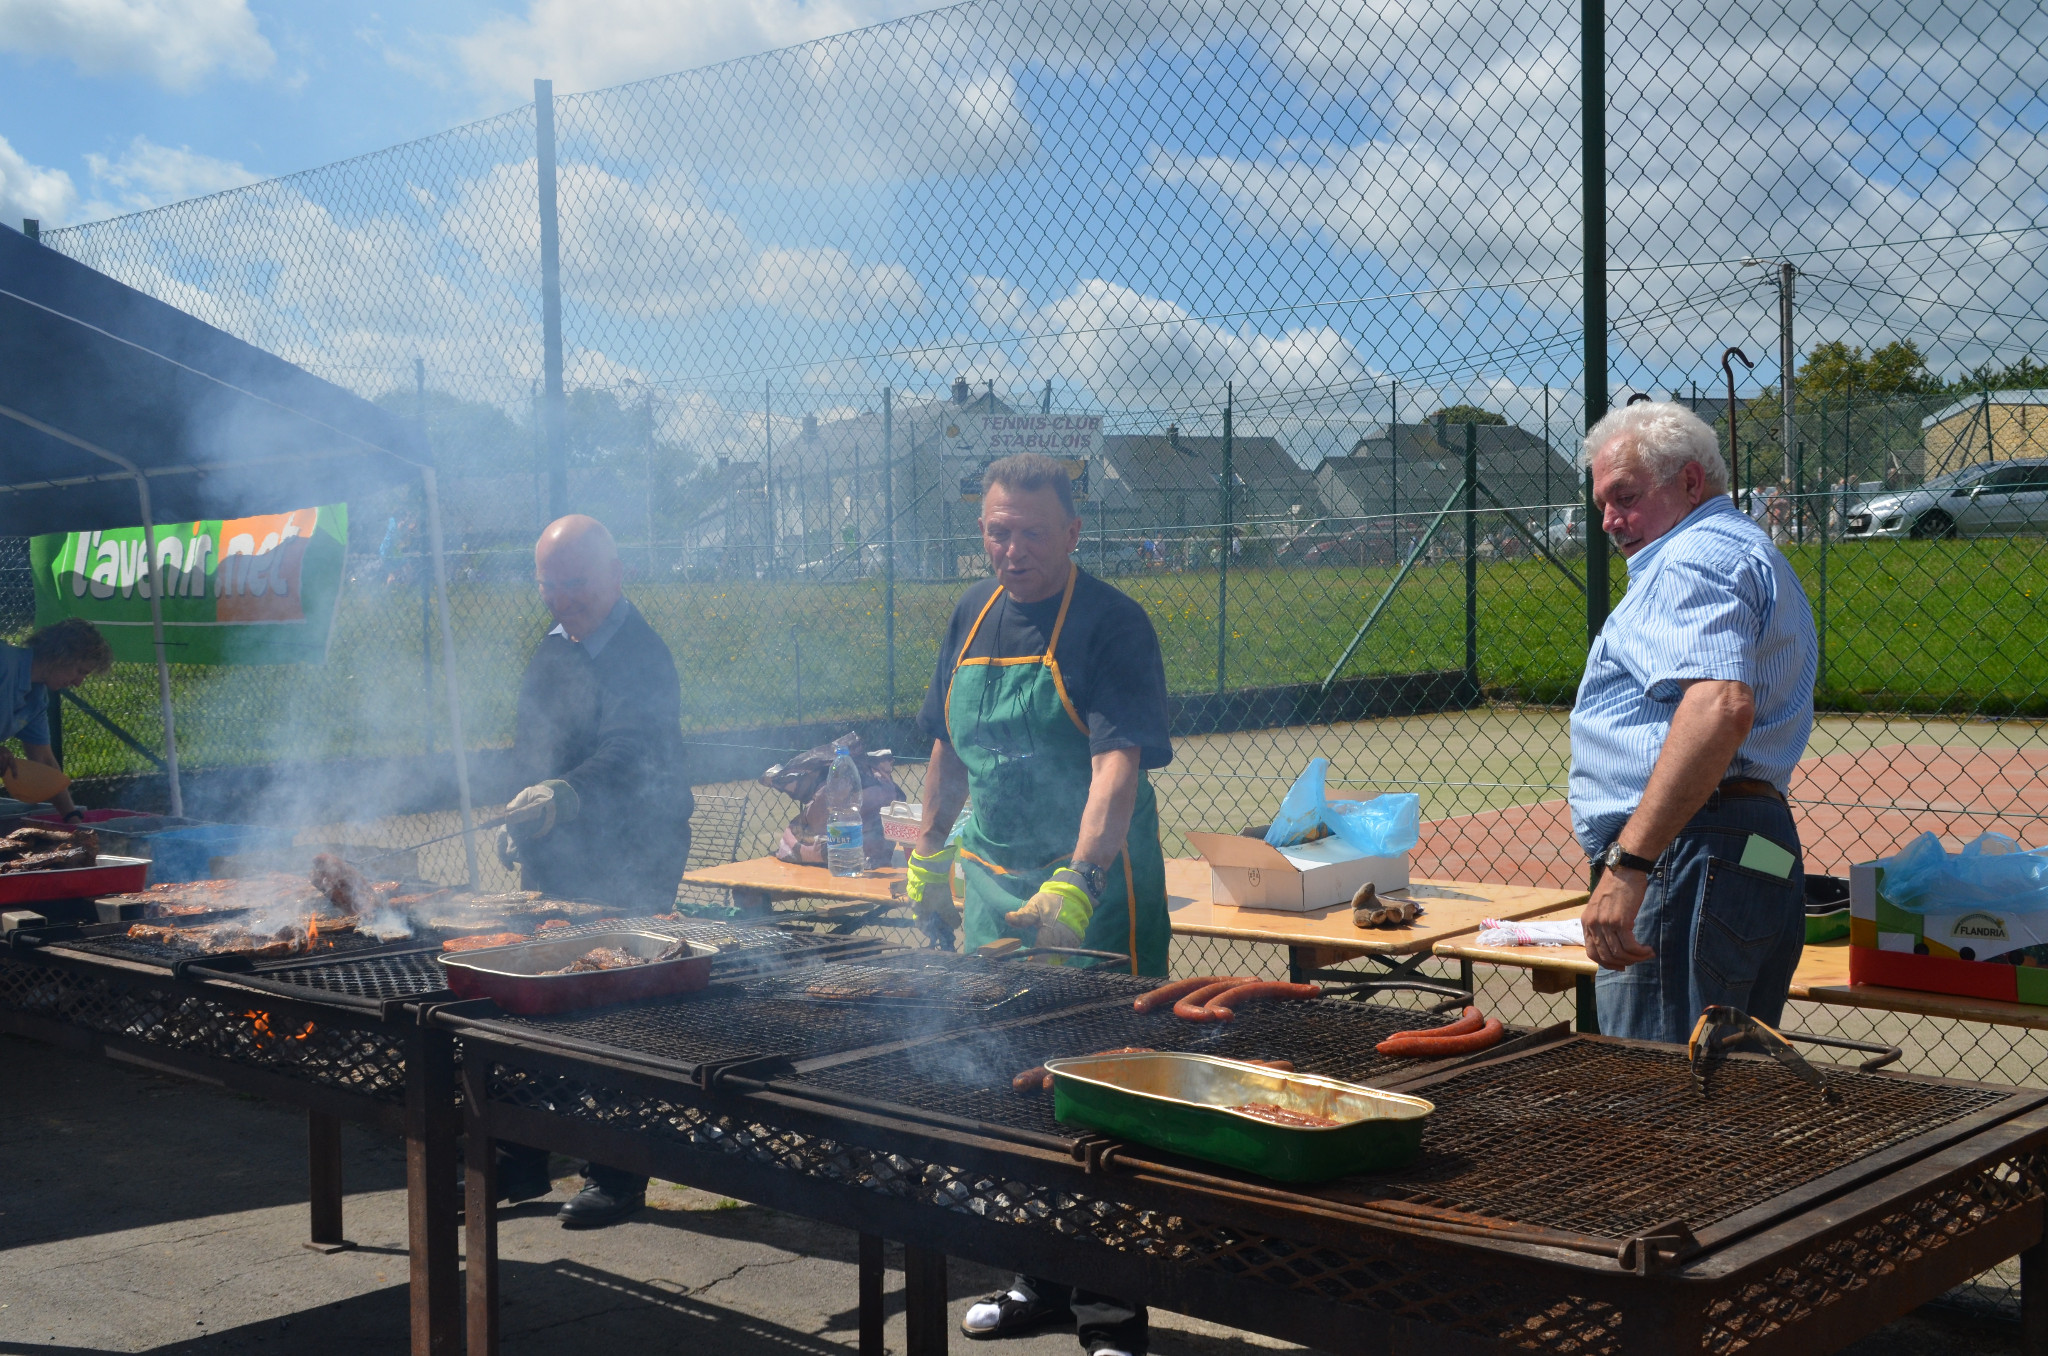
1614 856
74 813
1093 878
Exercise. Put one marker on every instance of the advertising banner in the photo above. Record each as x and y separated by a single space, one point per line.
256 590
1075 439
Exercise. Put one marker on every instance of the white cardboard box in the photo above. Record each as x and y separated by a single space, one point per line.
1253 874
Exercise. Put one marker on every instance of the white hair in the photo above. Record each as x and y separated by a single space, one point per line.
1661 438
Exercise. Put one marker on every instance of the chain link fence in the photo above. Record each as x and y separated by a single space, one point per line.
1310 272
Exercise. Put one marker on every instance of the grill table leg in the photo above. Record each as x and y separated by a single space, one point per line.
323 1171
2034 1300
1589 1006
924 1296
481 1227
872 1309
431 1123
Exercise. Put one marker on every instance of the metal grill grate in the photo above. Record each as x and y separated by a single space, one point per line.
969 1076
153 953
1628 1141
766 1016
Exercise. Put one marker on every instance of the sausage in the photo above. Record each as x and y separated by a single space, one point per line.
1413 1047
1464 1026
1191 1006
1219 1006
1038 1078
1276 1065
1167 994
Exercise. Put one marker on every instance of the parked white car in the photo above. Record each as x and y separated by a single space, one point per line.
1995 499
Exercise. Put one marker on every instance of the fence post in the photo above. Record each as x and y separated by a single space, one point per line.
1593 173
647 417
889 546
768 466
1472 560
554 416
419 389
1821 622
1394 461
1223 556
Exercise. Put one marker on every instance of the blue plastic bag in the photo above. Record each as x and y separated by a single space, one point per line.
1991 872
1301 810
1379 827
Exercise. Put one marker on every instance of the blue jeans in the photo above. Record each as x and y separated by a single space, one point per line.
1723 933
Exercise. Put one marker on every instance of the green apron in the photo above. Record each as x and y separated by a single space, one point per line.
1028 773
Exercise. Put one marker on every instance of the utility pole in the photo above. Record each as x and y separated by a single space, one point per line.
768 464
553 411
1593 284
1788 359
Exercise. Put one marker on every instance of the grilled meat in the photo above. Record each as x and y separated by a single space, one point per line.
345 887
1288 1116
34 847
486 939
54 859
599 958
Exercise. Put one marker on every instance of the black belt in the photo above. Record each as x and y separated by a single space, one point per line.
1749 788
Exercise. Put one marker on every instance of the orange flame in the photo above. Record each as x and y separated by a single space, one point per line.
260 1023
312 933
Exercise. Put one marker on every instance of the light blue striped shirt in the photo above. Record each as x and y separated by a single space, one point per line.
1711 598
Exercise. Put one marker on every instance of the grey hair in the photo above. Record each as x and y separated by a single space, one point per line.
1661 438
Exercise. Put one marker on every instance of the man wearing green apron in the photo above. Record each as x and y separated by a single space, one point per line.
1048 706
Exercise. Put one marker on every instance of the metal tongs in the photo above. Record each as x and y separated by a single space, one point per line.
1720 1028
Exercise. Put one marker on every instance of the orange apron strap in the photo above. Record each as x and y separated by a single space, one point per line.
961 657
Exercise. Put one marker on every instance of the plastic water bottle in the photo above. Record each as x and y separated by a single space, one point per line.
845 855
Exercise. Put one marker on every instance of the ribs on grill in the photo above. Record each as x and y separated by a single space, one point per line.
34 847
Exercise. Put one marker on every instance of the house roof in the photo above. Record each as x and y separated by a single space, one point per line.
2036 396
1174 462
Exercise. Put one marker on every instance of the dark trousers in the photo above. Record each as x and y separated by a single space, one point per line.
614 1181
1099 1320
1723 933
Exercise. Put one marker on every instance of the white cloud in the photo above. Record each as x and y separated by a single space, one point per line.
587 44
176 43
824 284
31 190
148 175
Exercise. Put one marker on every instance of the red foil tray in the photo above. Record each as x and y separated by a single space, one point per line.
107 876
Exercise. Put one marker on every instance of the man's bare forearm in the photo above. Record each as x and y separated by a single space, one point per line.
1112 796
1713 718
945 791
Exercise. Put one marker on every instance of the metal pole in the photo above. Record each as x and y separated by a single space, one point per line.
768 465
1787 359
1821 621
1547 453
1394 459
1734 451
889 544
1471 559
1223 557
419 379
1593 185
647 416
153 576
1045 398
554 415
448 670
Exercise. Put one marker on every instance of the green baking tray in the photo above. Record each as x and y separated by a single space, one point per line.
1182 1103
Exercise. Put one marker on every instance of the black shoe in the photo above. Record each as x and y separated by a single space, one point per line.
1014 1316
594 1207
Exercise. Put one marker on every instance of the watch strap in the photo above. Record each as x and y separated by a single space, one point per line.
1617 856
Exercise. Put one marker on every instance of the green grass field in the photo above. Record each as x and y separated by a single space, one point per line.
1952 627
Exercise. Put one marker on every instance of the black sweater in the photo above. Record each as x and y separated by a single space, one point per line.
611 728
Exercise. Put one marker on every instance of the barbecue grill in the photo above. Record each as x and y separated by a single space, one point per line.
1575 1194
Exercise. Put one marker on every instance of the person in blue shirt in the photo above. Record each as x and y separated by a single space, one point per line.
1695 707
60 656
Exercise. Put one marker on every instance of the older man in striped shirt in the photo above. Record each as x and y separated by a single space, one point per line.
1695 707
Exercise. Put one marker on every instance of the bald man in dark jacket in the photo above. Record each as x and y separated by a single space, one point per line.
599 733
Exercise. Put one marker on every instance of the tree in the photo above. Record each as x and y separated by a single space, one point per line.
2022 375
1837 368
1467 414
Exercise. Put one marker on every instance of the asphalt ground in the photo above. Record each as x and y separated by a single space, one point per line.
147 1214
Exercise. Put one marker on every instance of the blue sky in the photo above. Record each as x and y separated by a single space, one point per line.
1142 199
